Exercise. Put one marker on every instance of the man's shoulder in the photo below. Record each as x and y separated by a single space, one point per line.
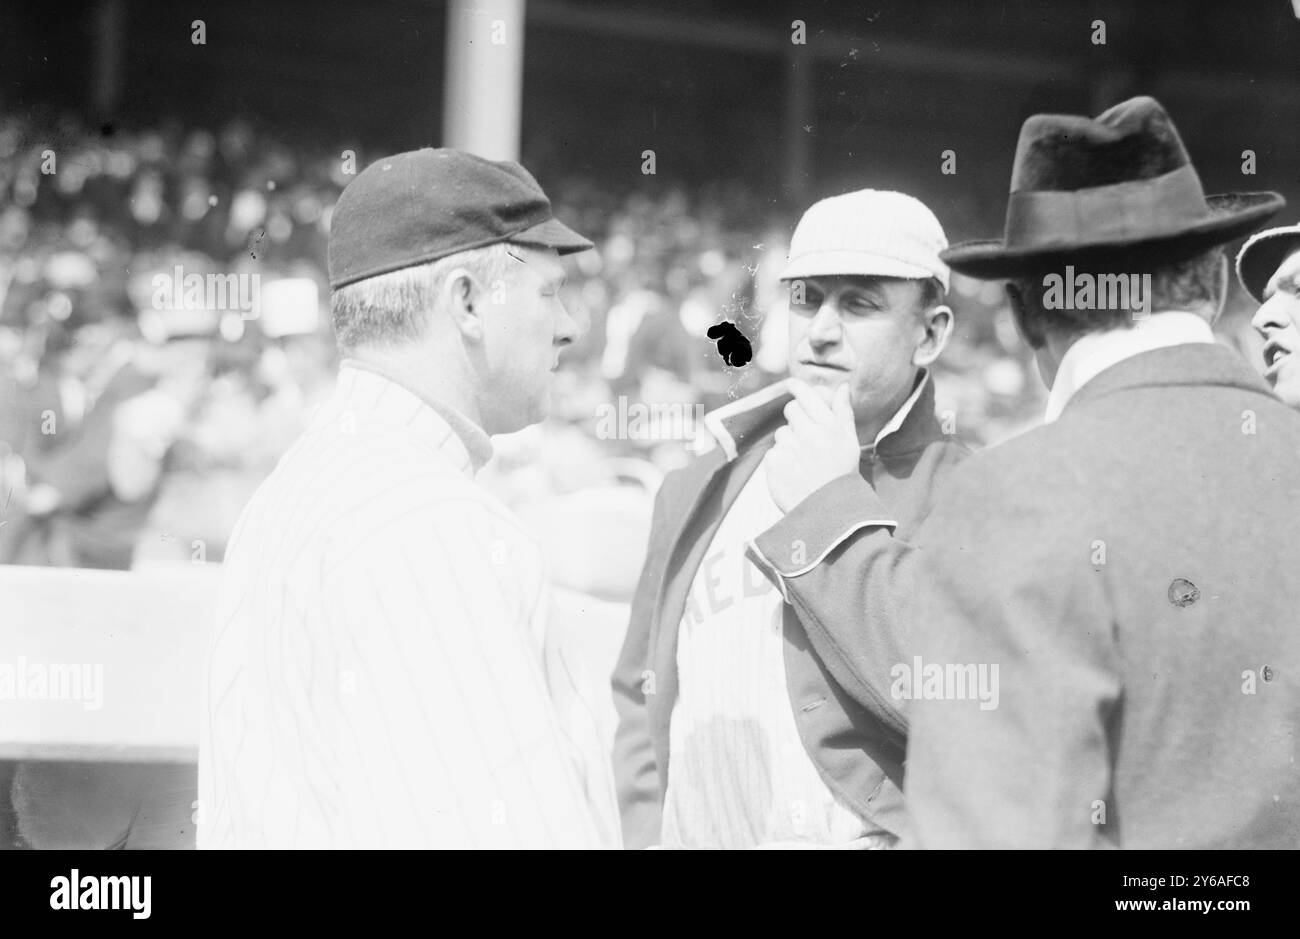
365 458
1017 469
1086 460
1098 442
347 490
940 454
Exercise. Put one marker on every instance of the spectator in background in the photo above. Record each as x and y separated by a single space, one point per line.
89 494
29 402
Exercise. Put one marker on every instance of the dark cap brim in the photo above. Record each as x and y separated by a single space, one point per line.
552 234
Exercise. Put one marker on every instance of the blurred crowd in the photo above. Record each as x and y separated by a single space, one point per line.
133 430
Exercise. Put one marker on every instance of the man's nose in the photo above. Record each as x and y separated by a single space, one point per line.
1275 314
825 326
569 329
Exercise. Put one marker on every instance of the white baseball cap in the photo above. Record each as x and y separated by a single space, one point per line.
871 232
1261 256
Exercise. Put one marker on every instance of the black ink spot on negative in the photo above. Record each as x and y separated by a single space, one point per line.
106 129
732 344
1183 593
1266 673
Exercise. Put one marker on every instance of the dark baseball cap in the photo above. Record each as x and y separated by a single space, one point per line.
416 207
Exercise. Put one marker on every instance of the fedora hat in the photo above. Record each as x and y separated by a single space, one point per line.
1106 187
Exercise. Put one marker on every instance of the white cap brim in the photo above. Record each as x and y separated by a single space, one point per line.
1261 254
857 264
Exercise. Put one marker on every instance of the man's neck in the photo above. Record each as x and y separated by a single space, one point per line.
869 429
422 376
1058 344
1079 361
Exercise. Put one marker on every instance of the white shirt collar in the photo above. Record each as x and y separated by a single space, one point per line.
1094 353
900 415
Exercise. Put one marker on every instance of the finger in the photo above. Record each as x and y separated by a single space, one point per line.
796 416
812 402
784 437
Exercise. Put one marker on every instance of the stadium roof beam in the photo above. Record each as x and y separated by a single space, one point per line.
893 52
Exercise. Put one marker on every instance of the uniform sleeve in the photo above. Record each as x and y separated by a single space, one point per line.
446 734
835 560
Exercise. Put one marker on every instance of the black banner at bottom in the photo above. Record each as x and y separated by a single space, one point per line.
608 891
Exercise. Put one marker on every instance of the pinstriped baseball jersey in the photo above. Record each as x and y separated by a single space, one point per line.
741 777
379 674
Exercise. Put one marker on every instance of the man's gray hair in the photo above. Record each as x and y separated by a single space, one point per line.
393 308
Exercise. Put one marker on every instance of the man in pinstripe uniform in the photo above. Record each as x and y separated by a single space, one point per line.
380 672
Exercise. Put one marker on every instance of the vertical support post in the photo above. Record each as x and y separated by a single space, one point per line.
482 101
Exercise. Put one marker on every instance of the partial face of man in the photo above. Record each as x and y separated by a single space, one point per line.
859 330
1278 321
525 328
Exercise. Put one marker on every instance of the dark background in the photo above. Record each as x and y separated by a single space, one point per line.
895 83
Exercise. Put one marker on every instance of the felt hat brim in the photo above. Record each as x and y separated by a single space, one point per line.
1231 216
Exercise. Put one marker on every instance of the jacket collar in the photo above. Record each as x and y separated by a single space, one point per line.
913 426
1186 365
736 426
1095 352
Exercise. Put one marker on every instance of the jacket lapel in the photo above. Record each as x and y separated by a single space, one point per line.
918 430
703 499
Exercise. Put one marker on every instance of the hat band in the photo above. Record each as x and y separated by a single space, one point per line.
1123 212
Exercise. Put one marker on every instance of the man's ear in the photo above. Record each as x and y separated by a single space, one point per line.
463 299
937 321
1225 281
1028 331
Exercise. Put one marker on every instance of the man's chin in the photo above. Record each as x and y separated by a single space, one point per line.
822 380
537 411
1288 392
